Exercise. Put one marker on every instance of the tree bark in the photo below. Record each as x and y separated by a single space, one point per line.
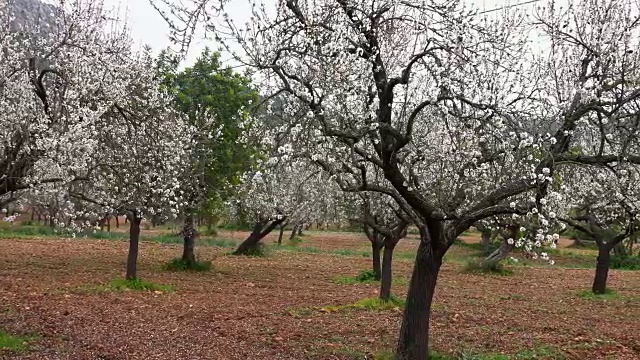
189 235
603 262
486 241
134 240
280 234
260 230
413 342
497 255
117 221
294 232
375 250
386 280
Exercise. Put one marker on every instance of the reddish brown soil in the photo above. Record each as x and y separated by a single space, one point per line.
268 308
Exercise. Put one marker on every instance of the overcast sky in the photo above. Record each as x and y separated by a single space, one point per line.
148 27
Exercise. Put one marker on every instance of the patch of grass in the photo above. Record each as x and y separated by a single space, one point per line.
349 252
365 277
609 294
164 239
15 343
368 304
218 242
294 241
300 312
135 285
625 262
181 265
475 266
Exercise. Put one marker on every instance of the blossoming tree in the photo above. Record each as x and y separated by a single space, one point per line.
462 117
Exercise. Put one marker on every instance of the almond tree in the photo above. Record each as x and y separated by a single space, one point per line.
55 82
462 117
137 159
604 204
385 224
283 189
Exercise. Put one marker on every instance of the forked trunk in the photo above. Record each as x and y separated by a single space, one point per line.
134 240
260 230
386 281
603 262
413 342
189 235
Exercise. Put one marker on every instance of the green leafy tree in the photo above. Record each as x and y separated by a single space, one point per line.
218 103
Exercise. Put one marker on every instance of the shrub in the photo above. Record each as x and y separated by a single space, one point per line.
181 265
625 262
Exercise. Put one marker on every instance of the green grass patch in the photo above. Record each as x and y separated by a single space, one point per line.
475 266
625 262
609 294
294 241
15 343
181 265
364 277
368 304
133 285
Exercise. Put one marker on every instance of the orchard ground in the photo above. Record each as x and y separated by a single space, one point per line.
288 305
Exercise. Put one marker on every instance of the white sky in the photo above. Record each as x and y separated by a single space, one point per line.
148 27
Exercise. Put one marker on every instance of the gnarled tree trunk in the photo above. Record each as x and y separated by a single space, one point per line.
413 342
260 230
134 240
189 236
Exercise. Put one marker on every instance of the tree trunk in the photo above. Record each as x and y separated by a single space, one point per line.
134 240
413 342
250 245
385 283
486 241
495 257
602 269
280 234
117 221
294 232
189 235
375 250
108 223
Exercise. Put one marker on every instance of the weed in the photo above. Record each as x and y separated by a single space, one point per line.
182 265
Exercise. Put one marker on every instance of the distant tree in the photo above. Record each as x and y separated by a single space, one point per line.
604 204
56 80
137 162
216 102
